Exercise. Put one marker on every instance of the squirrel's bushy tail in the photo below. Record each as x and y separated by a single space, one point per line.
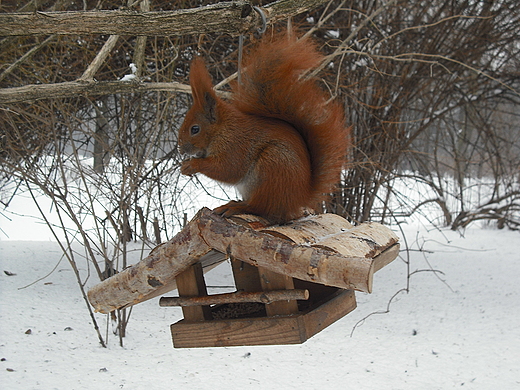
271 87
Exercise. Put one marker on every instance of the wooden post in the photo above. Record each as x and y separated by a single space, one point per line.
246 276
273 281
190 283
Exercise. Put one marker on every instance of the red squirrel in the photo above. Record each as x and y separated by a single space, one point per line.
279 140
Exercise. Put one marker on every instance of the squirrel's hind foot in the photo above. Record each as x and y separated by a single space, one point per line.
241 207
232 208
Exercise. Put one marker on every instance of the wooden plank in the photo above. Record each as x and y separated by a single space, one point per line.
246 276
190 283
208 261
292 329
226 333
251 221
273 281
325 314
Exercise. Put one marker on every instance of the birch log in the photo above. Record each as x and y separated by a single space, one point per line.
154 275
282 256
323 249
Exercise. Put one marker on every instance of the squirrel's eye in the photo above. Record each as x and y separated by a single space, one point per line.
195 130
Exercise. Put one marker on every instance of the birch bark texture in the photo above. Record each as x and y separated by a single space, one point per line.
323 249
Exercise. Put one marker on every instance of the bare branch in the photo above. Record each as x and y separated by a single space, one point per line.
27 55
94 66
232 17
238 296
75 88
225 17
351 36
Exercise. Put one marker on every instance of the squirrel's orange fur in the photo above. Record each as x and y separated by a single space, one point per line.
279 140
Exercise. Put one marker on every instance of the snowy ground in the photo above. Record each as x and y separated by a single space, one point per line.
455 330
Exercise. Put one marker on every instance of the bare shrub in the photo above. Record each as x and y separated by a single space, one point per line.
430 89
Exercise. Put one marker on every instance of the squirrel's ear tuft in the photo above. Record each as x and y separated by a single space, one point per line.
200 81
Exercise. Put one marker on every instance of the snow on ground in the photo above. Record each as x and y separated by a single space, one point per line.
458 329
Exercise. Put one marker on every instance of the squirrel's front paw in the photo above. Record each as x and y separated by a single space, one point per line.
187 168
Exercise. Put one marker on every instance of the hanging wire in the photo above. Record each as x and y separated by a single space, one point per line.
260 31
240 49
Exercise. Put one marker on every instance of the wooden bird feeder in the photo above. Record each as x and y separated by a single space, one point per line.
292 281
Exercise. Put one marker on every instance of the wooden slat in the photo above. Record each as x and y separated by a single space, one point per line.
208 261
251 221
251 331
343 302
156 273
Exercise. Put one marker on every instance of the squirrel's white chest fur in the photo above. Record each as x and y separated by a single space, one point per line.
248 183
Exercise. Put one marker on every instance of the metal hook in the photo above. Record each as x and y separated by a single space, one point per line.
261 12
